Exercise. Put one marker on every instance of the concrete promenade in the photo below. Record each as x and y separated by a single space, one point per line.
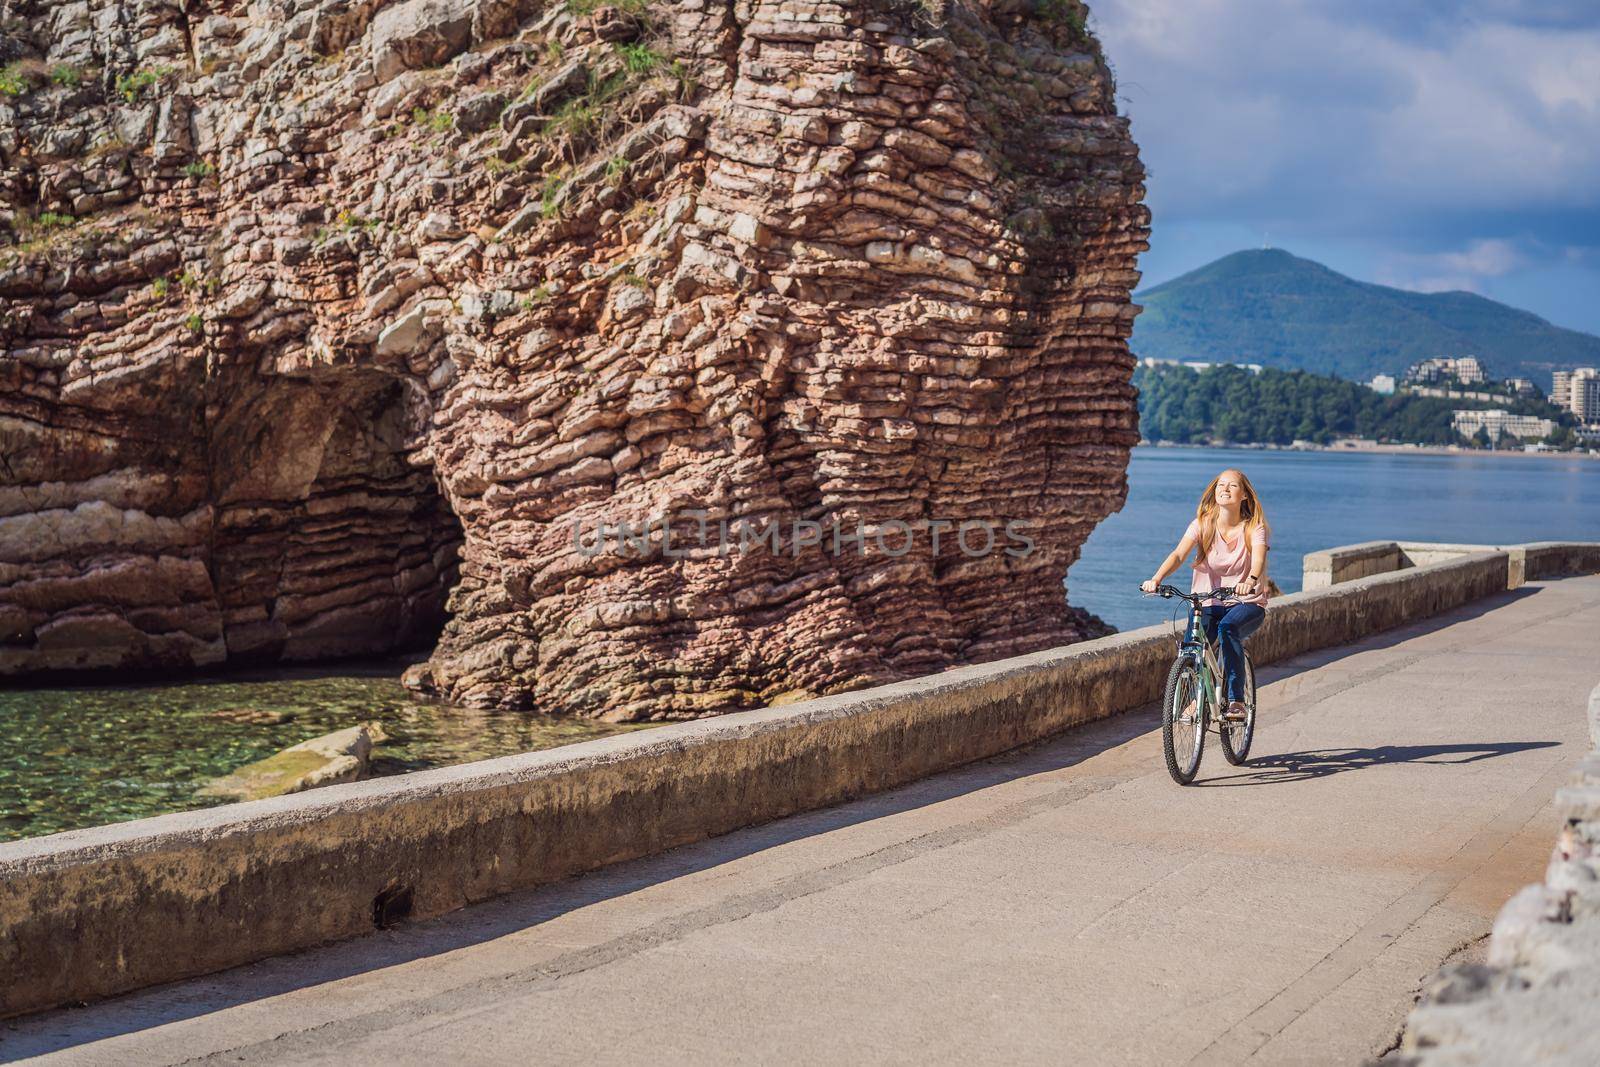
1067 903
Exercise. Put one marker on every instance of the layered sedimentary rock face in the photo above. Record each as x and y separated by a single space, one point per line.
323 321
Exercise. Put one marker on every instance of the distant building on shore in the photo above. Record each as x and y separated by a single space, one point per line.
1467 370
1499 421
1523 387
1382 383
1578 390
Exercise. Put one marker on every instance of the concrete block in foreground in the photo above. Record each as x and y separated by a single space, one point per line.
1526 562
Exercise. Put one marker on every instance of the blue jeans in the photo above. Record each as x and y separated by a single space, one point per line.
1228 625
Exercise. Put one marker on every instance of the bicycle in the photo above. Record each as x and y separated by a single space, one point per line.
1194 699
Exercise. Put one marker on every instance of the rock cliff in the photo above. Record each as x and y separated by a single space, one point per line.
325 323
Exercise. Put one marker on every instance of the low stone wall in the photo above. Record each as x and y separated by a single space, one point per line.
1537 998
1332 566
93 912
1351 610
1527 562
1555 559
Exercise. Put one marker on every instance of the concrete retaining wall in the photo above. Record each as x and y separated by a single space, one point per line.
93 912
1535 1000
1556 559
1331 566
1527 562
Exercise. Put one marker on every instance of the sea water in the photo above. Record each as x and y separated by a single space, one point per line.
1317 500
80 756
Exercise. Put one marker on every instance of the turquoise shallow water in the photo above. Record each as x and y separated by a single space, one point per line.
75 757
1317 500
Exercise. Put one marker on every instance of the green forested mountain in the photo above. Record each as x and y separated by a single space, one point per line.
1279 407
1276 309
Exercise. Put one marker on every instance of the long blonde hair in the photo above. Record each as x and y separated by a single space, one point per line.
1250 511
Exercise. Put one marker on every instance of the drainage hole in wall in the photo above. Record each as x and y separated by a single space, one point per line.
391 906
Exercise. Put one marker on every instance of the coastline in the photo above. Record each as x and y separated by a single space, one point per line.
1373 448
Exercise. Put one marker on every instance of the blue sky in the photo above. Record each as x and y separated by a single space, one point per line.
1428 144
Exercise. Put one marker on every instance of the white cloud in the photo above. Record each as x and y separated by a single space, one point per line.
1353 119
1437 144
1498 120
1481 259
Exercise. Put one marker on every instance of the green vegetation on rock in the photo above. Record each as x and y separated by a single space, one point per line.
640 58
132 86
1067 12
434 121
549 198
17 78
587 7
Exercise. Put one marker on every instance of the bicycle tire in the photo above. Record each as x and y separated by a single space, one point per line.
1236 739
1172 704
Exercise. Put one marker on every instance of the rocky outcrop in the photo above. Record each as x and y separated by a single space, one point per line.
316 313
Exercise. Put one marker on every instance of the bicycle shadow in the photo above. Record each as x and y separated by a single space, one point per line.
1319 763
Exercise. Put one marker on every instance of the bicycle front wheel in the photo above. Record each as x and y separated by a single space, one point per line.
1236 736
1183 726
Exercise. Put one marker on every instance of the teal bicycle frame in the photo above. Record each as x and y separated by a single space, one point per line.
1202 709
1203 654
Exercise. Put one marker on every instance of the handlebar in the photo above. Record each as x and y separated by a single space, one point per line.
1168 592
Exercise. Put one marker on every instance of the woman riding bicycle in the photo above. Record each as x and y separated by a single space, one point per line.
1229 536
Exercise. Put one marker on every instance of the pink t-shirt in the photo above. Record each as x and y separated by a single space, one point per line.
1228 563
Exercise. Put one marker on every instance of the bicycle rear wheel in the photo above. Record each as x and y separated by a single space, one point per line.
1236 737
1183 726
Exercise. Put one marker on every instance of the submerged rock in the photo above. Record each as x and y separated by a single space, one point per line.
342 756
253 716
